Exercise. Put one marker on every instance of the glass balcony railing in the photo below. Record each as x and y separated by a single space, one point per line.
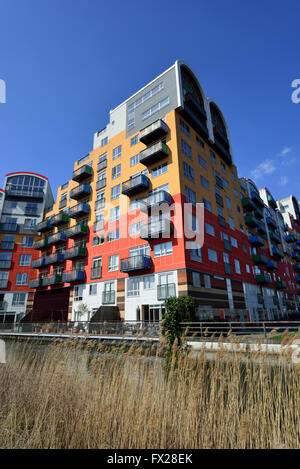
272 265
41 243
73 276
82 173
153 132
136 184
52 280
156 201
45 225
77 230
139 262
263 278
259 259
157 229
57 238
256 240
101 165
251 221
24 191
166 291
271 222
79 210
80 191
276 252
100 184
60 219
40 262
36 282
154 153
75 252
55 258
247 204
279 284
255 197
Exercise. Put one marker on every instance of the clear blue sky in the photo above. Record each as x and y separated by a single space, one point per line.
67 62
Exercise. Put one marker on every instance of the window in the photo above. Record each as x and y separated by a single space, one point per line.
145 97
234 242
231 223
202 161
228 203
149 282
117 152
161 169
207 205
247 269
78 293
236 193
213 157
21 279
212 255
186 149
195 252
184 128
93 289
134 160
113 236
193 224
115 192
135 228
104 141
134 140
25 260
237 266
199 141
113 263
27 242
133 287
209 229
140 250
223 167
226 258
196 279
204 182
155 108
135 204
220 211
114 214
116 172
190 196
163 249
97 240
207 282
19 299
225 183
188 171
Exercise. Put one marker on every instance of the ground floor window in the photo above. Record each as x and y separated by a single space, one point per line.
150 313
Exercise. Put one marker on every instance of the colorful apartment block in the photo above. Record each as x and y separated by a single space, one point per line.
120 240
23 201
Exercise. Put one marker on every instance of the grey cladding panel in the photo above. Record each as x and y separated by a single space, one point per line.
169 90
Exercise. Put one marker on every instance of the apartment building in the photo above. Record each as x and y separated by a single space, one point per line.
119 238
23 201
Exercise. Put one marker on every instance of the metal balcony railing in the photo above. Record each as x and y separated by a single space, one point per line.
136 184
75 252
153 132
139 262
79 210
82 173
157 229
82 190
154 153
77 230
73 276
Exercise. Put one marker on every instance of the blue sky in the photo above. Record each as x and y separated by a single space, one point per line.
66 63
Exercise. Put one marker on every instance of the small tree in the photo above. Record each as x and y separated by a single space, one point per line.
81 311
177 310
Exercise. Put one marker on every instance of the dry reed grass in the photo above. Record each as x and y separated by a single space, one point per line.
72 397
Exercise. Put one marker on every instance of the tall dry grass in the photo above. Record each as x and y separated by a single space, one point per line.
72 396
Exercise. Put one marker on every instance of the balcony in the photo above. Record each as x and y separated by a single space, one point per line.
261 228
44 226
259 259
75 252
280 284
228 268
100 184
7 245
57 238
271 201
108 297
276 252
275 237
63 203
263 278
52 280
247 204
166 291
98 226
256 240
251 221
155 202
41 243
272 265
77 230
153 132
36 282
96 272
158 229
38 263
24 192
258 213
3 283
154 153
219 200
195 114
80 191
82 173
137 184
60 219
222 221
256 199
73 276
5 264
102 165
55 258
271 222
222 144
79 210
134 263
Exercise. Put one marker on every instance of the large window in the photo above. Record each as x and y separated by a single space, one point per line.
140 250
133 287
186 149
114 214
188 171
161 169
117 152
116 172
25 260
155 108
164 249
149 282
19 299
113 263
115 192
22 279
